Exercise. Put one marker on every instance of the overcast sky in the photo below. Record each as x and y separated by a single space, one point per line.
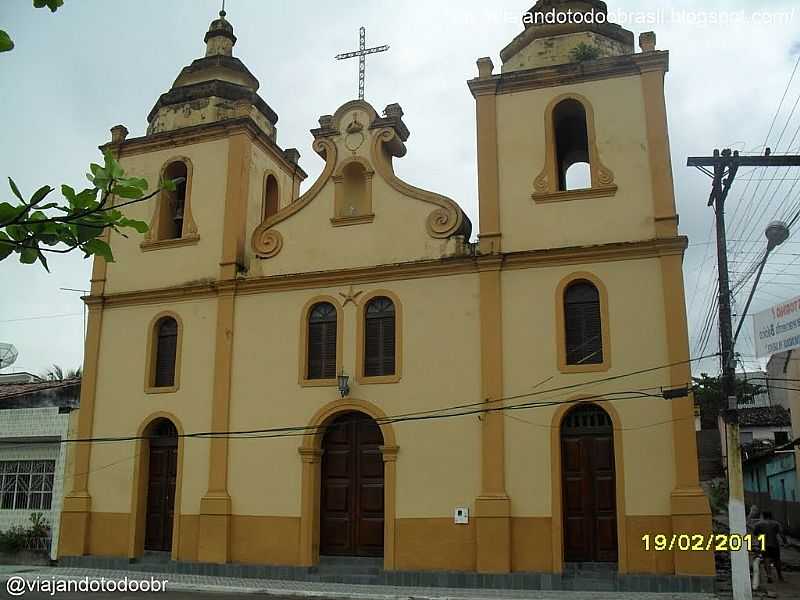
94 64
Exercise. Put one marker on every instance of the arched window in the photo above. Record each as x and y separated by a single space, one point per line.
379 337
166 351
173 204
322 341
271 203
583 325
572 143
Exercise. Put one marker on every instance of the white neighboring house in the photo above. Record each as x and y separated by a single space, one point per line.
34 417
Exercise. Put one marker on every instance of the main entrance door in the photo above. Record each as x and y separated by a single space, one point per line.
588 485
161 485
351 520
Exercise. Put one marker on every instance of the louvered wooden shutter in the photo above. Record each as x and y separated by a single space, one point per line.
166 352
583 326
379 338
322 342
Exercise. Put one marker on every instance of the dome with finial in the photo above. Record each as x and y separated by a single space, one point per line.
216 87
220 39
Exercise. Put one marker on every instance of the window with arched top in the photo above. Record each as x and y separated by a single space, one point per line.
572 139
165 353
583 327
172 207
379 337
322 339
572 167
271 203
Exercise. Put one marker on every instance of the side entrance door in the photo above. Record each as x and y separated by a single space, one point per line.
588 486
161 493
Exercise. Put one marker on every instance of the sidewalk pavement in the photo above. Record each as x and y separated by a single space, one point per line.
320 591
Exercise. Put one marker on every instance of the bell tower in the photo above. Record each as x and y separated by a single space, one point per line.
216 135
574 169
572 133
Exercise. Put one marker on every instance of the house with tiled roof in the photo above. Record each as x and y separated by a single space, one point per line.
36 417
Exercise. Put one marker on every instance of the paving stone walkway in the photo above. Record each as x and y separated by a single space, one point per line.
327 591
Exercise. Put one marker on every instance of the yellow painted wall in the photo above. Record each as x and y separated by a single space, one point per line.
438 343
122 406
167 267
637 342
622 144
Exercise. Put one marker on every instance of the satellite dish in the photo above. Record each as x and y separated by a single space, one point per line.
8 355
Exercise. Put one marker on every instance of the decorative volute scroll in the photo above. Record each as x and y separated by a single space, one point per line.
358 145
266 242
444 221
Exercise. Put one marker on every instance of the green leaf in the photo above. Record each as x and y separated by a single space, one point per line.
40 194
43 260
137 182
139 226
15 189
112 167
84 233
16 232
68 193
5 248
5 42
9 212
126 191
51 4
169 185
98 247
29 255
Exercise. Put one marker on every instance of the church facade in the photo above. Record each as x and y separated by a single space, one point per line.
347 372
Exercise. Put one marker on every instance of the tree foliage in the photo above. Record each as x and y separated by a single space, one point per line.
6 42
31 227
58 373
708 396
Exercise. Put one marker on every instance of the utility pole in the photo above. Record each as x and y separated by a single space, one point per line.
724 167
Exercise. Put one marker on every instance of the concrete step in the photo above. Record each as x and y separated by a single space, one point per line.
365 561
345 570
351 579
152 556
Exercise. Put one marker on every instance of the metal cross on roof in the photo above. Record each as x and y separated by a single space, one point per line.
361 53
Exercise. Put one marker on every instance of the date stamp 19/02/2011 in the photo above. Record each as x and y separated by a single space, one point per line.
688 542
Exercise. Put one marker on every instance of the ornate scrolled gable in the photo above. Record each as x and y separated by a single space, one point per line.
357 133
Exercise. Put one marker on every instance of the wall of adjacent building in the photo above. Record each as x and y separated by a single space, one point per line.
47 427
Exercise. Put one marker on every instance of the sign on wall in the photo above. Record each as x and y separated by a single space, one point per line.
777 329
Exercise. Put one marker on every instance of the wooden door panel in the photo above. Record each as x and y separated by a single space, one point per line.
337 497
371 500
588 487
162 476
352 488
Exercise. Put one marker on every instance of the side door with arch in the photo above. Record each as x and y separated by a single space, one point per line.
588 486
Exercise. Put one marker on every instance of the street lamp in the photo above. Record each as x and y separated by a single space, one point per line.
777 232
344 387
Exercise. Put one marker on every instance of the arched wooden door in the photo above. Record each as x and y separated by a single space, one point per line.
163 469
351 507
588 485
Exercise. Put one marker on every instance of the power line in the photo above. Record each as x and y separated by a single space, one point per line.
429 414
